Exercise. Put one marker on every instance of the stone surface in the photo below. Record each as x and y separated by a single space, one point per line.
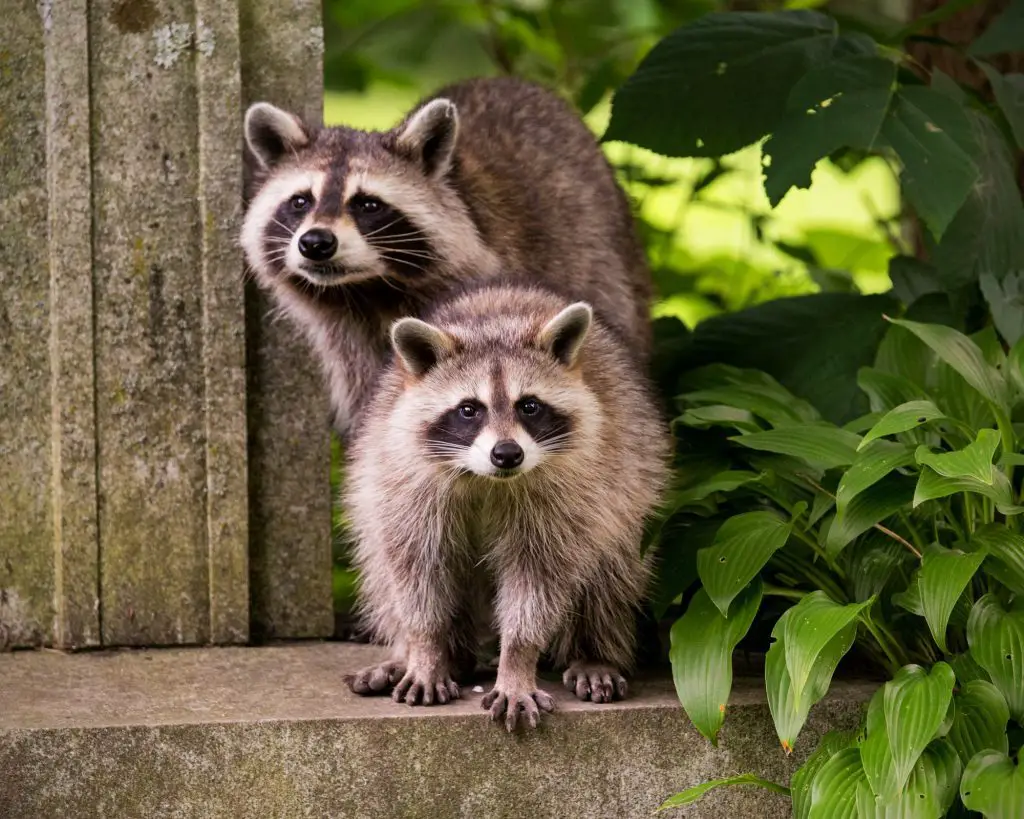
289 422
273 732
136 452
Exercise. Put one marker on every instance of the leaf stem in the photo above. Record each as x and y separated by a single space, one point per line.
869 624
898 538
816 548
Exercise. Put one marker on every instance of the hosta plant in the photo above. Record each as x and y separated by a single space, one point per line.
897 533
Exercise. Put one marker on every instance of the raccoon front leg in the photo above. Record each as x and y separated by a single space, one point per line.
529 609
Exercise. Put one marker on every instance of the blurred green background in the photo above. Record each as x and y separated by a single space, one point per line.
714 243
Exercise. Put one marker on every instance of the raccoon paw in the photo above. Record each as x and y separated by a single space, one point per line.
417 688
376 679
515 704
594 682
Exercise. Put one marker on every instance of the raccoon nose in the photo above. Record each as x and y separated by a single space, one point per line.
318 245
507 454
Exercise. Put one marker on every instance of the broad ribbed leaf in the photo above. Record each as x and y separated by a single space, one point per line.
719 415
1005 297
996 639
819 445
903 418
1004 34
872 464
812 625
931 485
691 795
929 792
915 703
1015 366
973 461
788 706
873 505
711 68
963 355
803 779
702 642
834 790
885 390
993 786
979 720
742 547
966 668
1005 551
722 482
1009 93
944 575
747 389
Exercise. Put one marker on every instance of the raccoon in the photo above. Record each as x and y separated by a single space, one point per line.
349 230
501 477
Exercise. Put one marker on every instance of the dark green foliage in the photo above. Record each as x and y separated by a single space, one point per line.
857 454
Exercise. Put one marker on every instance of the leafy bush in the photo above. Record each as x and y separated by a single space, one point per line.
855 454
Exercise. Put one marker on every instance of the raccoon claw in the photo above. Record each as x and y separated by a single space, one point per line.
425 689
597 683
515 705
376 679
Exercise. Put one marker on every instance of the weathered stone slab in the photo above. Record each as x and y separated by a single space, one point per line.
273 732
289 424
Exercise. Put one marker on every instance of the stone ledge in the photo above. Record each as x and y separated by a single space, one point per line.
273 732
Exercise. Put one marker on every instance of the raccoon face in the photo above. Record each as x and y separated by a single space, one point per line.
339 206
498 411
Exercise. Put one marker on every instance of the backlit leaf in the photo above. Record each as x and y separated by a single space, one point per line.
834 791
944 575
872 464
973 461
803 779
819 445
902 418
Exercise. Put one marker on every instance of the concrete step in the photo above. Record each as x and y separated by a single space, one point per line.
273 732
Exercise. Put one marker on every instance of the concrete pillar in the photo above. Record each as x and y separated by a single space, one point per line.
146 472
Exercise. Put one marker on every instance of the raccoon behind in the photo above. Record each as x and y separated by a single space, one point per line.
350 230
501 477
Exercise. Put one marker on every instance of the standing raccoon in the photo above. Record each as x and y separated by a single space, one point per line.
349 230
502 476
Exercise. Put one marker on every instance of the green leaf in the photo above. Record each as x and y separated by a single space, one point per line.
905 417
931 485
979 720
719 415
1004 34
932 136
702 642
987 235
871 465
834 791
1009 93
1005 551
813 345
877 563
743 545
963 355
789 705
681 538
993 786
913 706
886 391
812 625
944 575
996 640
929 792
973 461
820 445
747 389
839 104
712 68
803 779
1006 302
691 795
966 668
873 505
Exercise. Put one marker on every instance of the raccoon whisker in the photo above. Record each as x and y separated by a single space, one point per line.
393 260
279 223
420 254
406 237
395 221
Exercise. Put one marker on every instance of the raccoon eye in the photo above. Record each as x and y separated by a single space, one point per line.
468 410
529 406
299 203
367 204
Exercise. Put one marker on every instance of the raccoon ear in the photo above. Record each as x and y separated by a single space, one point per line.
429 135
565 333
271 133
419 345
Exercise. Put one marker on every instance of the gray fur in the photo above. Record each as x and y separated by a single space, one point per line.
550 558
499 178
